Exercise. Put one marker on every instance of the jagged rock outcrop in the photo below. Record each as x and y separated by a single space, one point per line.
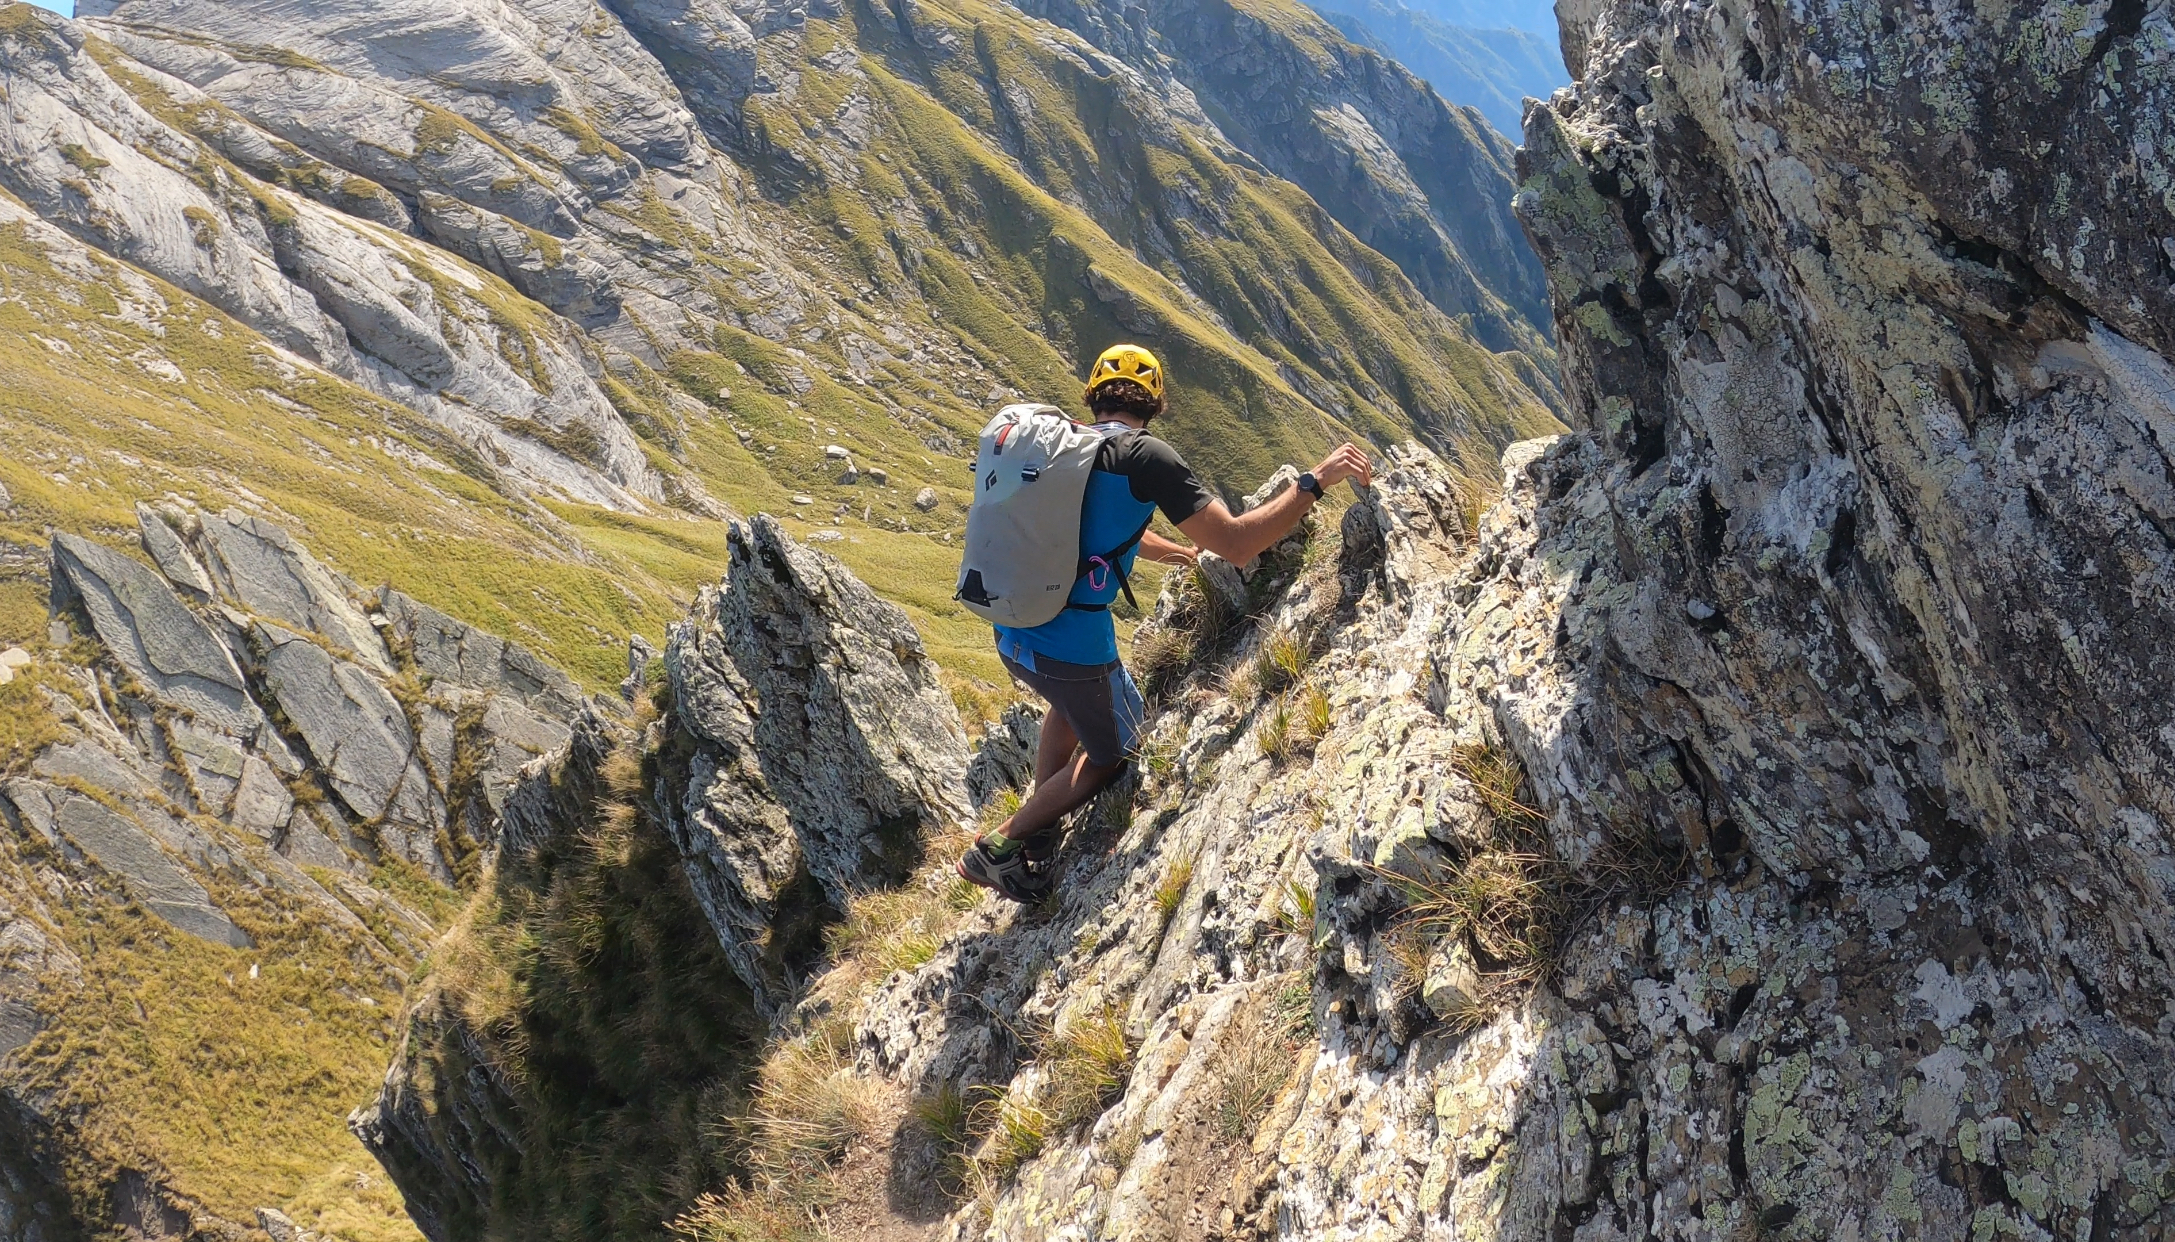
824 751
237 754
808 753
1838 599
450 1133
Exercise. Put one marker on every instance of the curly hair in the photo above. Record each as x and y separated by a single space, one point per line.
1124 397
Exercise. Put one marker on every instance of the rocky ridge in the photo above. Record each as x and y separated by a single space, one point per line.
1754 823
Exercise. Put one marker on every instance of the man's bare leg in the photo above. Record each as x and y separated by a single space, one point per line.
1069 789
1055 749
1059 767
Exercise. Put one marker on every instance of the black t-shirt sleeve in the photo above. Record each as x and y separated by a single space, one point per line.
1157 475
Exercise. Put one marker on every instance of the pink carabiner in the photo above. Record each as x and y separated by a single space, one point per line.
1097 577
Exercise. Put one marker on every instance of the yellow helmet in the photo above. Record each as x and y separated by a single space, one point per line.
1127 362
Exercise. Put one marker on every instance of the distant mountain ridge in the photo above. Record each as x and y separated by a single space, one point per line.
1490 68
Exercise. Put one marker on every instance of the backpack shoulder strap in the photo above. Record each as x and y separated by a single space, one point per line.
1114 558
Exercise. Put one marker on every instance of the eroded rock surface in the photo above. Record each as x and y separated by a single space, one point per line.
825 749
1839 597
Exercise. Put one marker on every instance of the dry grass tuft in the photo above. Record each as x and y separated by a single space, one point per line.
1280 663
1249 1086
743 1215
1265 1053
808 1107
621 774
1014 1130
1172 888
1509 897
1313 717
1165 651
895 929
1275 734
1086 1067
1295 909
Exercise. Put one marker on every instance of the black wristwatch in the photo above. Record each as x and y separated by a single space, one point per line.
1310 485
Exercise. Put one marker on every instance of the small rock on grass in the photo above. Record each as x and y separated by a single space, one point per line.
925 499
803 498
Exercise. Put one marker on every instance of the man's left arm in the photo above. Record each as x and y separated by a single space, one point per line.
1156 548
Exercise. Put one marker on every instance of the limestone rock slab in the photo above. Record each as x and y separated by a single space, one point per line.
153 634
360 740
453 651
262 568
170 553
122 848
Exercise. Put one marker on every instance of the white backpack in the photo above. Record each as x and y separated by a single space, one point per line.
1023 530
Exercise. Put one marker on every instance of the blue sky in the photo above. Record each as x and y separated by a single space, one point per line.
58 6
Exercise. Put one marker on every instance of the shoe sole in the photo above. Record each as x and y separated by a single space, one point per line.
992 886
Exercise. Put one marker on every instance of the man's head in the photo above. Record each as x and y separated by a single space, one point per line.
1126 381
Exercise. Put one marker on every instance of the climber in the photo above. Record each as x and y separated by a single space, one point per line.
1072 660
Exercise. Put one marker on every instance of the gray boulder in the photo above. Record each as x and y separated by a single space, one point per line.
360 740
152 634
260 567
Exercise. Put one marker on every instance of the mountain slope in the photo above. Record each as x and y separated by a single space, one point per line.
513 224
1492 70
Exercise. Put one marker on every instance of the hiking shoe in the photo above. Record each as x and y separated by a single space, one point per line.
1021 875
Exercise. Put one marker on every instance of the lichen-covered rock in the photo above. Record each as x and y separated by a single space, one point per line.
826 748
1839 597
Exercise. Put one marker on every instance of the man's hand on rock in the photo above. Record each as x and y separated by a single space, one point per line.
1349 461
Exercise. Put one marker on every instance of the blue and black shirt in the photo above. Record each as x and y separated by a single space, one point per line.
1135 474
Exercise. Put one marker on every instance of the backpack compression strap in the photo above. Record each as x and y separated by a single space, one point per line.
1112 562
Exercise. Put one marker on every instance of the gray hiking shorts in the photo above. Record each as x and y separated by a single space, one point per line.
1099 701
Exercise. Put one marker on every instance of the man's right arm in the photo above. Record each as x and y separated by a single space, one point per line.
1239 538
